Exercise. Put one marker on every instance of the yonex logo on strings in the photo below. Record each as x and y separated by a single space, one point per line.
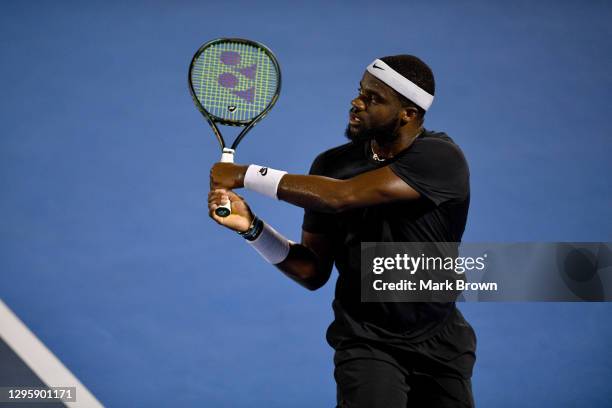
228 80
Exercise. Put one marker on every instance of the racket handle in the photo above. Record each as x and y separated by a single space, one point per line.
226 157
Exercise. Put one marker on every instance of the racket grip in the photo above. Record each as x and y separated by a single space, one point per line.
226 157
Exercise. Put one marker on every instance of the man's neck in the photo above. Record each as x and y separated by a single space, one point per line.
386 149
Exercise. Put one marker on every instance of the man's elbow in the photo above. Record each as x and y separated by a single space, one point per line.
313 284
311 287
312 278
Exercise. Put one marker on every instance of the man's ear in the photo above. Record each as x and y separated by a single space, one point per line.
409 114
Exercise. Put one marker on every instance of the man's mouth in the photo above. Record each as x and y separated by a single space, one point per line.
354 119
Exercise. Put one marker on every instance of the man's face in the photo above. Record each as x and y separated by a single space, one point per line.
375 112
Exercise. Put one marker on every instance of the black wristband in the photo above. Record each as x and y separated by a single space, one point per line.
254 230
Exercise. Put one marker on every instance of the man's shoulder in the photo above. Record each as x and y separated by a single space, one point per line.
334 156
435 137
438 142
339 151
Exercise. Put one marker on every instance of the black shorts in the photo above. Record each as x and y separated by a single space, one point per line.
433 373
369 383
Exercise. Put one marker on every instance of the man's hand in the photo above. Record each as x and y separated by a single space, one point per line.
241 217
227 176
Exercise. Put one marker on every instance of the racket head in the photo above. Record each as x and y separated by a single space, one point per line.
234 81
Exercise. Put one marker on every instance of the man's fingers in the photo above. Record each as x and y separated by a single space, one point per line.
212 214
213 195
218 199
218 196
223 196
216 218
233 196
217 202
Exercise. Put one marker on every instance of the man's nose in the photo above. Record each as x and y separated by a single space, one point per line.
358 104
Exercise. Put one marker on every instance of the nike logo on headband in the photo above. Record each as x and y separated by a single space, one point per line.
377 67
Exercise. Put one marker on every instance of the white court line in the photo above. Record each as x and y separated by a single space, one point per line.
40 359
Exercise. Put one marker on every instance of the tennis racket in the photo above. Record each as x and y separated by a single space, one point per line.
233 82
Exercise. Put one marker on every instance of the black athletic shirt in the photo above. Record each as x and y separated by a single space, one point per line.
435 167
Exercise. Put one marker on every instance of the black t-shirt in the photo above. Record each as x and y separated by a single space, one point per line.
435 167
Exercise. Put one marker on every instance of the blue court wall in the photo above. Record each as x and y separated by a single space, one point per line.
108 255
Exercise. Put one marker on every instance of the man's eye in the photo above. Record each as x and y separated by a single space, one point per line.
369 98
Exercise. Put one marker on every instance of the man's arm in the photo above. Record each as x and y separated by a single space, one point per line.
308 263
330 195
326 194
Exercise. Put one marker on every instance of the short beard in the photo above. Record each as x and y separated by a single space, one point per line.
384 133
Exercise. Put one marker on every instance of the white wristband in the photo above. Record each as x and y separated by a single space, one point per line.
271 245
263 180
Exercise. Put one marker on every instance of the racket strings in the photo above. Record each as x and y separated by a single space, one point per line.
234 81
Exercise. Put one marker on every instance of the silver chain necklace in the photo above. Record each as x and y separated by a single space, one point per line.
374 155
380 159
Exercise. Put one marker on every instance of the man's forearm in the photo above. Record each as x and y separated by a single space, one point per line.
316 193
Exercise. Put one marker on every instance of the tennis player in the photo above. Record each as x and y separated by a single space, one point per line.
393 182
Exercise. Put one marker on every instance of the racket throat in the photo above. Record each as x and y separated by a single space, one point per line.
228 155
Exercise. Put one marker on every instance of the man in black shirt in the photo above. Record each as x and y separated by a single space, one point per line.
394 182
